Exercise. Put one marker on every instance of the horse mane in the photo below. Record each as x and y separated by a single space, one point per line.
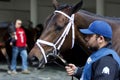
96 15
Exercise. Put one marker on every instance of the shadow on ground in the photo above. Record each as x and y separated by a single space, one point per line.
50 72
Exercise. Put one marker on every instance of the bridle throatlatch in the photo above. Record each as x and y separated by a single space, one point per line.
60 41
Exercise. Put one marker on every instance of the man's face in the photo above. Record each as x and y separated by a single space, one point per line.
92 42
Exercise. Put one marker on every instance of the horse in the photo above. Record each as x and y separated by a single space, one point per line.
6 30
62 31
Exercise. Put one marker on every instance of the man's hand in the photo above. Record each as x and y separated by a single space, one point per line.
70 69
11 44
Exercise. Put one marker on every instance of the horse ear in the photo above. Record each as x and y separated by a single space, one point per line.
77 6
55 4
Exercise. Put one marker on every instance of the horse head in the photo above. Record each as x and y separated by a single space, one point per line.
59 33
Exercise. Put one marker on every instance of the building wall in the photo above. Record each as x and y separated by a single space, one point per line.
9 11
45 8
112 8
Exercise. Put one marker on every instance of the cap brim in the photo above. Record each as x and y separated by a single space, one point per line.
86 31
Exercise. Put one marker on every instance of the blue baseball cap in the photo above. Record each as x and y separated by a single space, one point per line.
98 27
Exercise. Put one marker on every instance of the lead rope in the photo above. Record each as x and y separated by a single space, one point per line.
65 62
71 23
72 78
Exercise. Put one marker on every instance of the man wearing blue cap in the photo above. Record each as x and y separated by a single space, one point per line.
104 62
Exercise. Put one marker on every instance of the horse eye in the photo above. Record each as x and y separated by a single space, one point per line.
58 28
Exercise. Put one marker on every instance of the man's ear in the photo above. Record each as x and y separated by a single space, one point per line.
100 39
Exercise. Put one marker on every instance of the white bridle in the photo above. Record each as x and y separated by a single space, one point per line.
62 37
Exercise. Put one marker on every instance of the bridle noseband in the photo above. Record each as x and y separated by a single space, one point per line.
61 39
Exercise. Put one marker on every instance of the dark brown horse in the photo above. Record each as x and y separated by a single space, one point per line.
6 29
62 30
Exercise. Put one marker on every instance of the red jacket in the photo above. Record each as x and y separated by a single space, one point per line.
20 37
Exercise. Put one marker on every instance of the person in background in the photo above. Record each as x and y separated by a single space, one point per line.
104 62
18 43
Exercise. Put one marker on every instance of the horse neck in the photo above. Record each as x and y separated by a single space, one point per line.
84 18
81 21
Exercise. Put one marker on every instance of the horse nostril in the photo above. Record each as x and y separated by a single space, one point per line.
33 58
34 61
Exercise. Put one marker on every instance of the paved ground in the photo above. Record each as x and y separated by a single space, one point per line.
50 72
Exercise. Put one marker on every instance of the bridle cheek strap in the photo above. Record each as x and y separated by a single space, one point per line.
66 31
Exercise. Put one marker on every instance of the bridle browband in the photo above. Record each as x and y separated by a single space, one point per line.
62 37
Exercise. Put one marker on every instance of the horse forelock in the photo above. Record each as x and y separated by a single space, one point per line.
60 8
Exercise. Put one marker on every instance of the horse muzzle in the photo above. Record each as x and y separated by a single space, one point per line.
34 62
